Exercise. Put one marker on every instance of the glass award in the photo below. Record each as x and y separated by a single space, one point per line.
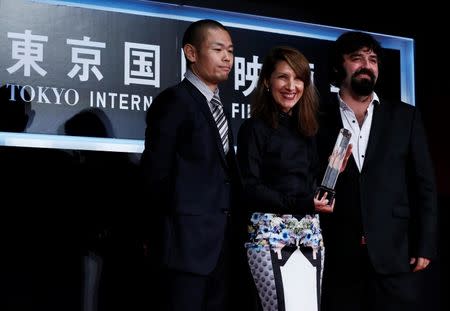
334 165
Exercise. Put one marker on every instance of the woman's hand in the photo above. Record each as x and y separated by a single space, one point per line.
321 204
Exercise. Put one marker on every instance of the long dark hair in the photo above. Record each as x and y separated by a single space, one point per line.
305 110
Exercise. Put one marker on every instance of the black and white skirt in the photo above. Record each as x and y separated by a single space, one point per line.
287 274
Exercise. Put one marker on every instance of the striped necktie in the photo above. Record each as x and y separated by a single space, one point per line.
221 121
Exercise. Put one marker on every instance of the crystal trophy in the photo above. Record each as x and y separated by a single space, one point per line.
334 165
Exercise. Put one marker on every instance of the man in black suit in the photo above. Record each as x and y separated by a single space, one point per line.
189 164
384 226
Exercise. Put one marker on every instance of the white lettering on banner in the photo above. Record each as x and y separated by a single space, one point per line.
246 71
240 111
125 101
28 94
141 64
57 95
31 93
42 97
86 57
76 97
27 52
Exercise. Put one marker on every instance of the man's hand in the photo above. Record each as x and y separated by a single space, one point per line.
419 263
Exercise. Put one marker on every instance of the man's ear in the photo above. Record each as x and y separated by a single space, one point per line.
190 52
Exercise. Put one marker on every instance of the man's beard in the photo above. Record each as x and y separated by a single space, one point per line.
363 87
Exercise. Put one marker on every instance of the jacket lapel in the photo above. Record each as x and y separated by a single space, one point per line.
204 108
376 132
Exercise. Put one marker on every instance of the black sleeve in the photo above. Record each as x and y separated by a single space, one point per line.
424 189
164 122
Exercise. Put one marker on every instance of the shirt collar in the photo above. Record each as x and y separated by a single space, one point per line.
200 85
343 105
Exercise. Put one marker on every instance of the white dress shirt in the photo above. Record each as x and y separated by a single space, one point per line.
360 135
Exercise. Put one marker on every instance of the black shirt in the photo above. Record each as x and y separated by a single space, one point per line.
278 166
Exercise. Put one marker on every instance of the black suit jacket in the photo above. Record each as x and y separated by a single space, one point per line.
189 178
392 201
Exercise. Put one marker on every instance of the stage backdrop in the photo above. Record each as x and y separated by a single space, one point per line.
111 58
